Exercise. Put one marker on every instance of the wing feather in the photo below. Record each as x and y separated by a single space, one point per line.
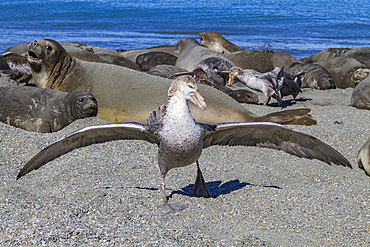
88 136
17 62
274 136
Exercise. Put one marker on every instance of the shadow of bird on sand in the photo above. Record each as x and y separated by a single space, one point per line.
217 188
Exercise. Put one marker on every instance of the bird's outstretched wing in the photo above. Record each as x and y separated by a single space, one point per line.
17 62
274 136
88 136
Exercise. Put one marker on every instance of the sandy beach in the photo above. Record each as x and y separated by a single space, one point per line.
108 194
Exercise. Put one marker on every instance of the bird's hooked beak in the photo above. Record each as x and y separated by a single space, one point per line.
232 77
197 99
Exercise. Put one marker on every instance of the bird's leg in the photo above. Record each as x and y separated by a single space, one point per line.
200 187
172 208
267 100
163 186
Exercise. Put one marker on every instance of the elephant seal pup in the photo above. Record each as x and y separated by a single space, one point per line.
126 95
346 71
361 95
192 53
149 60
317 77
363 157
44 110
216 42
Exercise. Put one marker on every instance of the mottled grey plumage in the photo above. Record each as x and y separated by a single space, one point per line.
181 140
263 82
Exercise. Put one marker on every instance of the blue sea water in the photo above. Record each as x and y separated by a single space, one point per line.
298 27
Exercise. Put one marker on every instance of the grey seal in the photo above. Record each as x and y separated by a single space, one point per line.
151 59
346 71
181 140
133 54
316 77
128 95
363 157
361 54
360 97
165 70
261 60
192 53
44 110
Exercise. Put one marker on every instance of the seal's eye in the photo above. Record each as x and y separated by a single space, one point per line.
48 47
81 100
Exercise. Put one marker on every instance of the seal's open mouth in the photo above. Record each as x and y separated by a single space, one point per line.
33 57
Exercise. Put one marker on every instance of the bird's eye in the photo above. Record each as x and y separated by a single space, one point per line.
190 86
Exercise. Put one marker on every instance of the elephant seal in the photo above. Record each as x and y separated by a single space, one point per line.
361 95
261 60
149 60
216 42
346 71
98 55
133 54
165 70
192 53
363 157
361 54
126 95
44 110
317 77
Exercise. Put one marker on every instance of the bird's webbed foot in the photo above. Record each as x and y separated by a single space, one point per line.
200 187
173 208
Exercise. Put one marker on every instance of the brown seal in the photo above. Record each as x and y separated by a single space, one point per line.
216 42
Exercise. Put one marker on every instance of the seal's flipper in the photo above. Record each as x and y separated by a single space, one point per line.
173 208
291 117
